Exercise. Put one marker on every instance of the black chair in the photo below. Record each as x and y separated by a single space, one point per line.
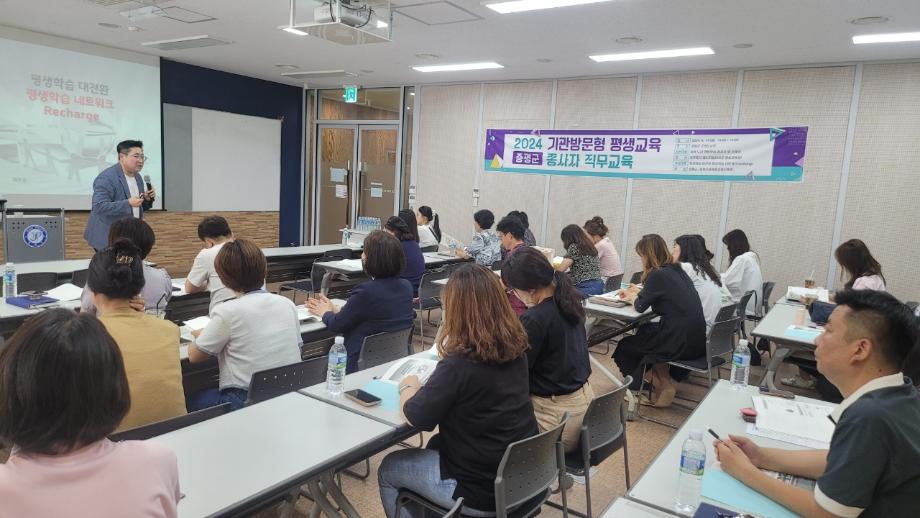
742 312
288 378
429 295
613 283
636 278
522 481
37 281
764 305
79 278
180 309
384 347
142 433
432 248
603 433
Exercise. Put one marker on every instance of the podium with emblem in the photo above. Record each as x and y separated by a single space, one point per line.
31 235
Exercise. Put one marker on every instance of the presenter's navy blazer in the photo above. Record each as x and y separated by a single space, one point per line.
110 203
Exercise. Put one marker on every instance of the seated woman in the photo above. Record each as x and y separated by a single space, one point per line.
253 332
690 253
485 247
149 345
558 353
157 284
478 397
63 390
856 261
429 229
681 332
743 274
384 303
414 260
581 261
529 239
607 254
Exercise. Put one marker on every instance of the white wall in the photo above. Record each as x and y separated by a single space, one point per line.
864 137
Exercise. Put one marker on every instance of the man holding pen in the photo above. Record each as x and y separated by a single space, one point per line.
873 465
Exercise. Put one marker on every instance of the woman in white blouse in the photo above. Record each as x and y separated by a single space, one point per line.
690 251
857 262
429 231
743 274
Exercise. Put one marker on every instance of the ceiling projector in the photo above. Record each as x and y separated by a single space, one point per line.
351 12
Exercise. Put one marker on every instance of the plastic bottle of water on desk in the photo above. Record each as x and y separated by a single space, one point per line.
741 365
453 248
690 481
335 376
9 281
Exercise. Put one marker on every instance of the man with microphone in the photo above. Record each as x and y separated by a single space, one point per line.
118 192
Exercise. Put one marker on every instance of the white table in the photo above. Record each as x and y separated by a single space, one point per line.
357 380
623 508
311 250
185 334
719 410
774 324
67 266
256 453
433 258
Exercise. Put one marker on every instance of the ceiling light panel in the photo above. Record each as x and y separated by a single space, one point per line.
520 6
653 54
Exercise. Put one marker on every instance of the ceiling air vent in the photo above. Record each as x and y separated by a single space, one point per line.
191 42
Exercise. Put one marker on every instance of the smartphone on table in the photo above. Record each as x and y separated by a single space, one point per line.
362 398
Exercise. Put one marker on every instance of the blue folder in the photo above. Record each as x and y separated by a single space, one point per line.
722 487
387 392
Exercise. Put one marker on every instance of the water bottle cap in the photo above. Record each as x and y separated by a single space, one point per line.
696 435
742 342
339 340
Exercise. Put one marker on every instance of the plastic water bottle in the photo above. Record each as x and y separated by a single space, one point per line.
9 281
335 376
453 247
690 478
741 365
345 235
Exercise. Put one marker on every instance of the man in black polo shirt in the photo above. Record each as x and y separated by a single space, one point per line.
872 468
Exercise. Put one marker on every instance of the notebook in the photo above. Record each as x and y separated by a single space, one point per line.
25 302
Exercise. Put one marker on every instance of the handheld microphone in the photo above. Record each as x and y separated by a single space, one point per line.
148 202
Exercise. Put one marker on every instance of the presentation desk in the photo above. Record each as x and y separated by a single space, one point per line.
240 462
719 410
290 263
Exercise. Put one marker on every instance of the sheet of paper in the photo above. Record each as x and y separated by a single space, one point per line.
65 292
797 292
304 314
806 420
197 323
337 175
341 190
785 437
376 192
410 366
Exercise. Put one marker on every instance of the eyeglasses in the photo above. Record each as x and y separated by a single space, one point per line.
137 156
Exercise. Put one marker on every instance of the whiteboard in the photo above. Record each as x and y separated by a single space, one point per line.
236 162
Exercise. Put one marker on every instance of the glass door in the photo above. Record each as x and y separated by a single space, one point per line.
335 163
376 177
358 168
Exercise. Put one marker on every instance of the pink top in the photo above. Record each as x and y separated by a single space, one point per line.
609 258
869 282
104 479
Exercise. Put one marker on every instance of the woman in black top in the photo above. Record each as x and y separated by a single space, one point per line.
681 333
478 397
558 354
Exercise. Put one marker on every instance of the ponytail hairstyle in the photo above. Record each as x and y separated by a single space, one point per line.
528 269
397 226
432 218
596 227
117 271
408 217
521 215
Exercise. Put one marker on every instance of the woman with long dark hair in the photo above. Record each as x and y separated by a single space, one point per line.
581 261
743 274
690 252
415 261
477 397
857 262
679 335
558 354
429 229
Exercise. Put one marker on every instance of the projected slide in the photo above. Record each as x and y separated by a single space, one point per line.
63 114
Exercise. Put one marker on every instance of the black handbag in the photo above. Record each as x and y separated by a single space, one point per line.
821 311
